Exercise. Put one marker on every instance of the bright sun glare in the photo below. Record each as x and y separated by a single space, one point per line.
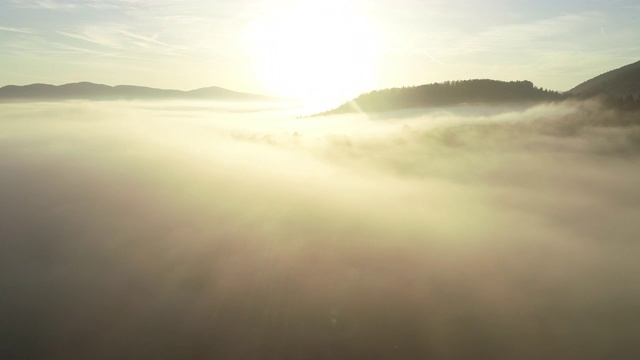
315 51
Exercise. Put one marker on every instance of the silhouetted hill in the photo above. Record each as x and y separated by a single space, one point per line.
448 93
618 83
91 91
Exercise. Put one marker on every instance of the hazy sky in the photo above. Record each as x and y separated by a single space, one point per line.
312 48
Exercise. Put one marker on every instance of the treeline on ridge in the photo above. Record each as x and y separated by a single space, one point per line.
448 93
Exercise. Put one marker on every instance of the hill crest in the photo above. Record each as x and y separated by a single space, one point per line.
620 82
477 91
92 91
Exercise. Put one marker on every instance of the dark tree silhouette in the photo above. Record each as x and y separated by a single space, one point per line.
449 93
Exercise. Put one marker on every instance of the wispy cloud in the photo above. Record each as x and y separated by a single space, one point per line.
47 4
513 37
144 41
16 30
72 5
120 38
106 36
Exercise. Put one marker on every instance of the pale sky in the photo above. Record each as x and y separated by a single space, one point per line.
287 47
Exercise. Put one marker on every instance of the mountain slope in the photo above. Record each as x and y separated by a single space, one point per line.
91 91
449 93
616 83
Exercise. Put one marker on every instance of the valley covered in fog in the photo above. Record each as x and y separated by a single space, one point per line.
174 229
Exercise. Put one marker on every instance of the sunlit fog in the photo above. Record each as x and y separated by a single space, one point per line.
227 230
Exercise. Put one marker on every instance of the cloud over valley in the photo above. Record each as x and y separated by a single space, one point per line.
204 230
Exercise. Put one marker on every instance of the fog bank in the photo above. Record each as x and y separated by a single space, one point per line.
197 230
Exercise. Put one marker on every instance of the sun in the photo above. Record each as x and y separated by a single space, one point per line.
315 51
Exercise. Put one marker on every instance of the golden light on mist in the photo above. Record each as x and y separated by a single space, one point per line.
315 51
228 228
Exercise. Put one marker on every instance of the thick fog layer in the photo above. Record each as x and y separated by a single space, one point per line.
207 231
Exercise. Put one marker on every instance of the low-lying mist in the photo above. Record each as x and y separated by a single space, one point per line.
175 230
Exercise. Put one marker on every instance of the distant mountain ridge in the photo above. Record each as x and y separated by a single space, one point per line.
619 87
617 83
92 91
479 91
